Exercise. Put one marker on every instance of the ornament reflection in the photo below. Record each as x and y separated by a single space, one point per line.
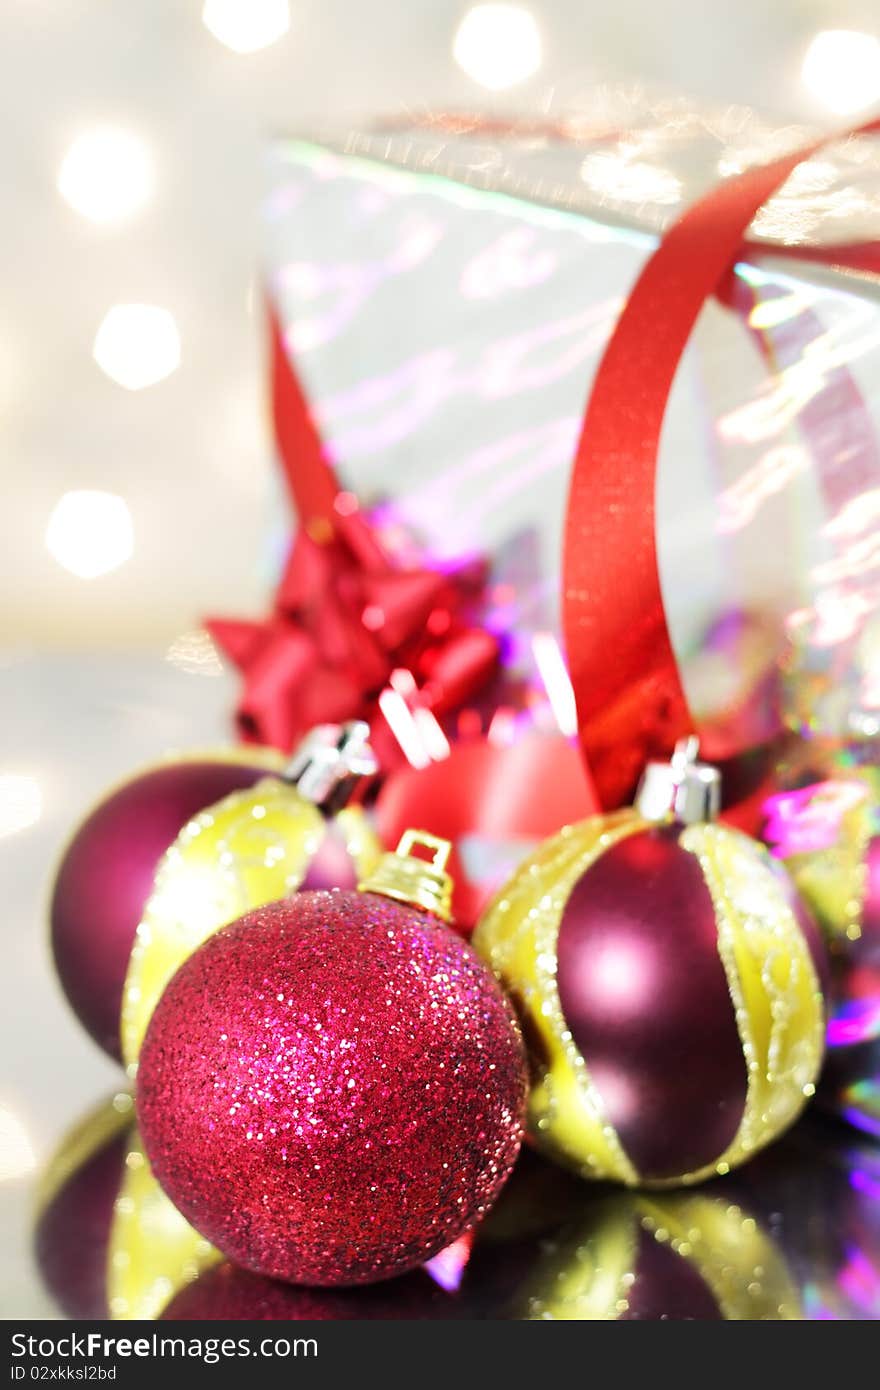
795 1236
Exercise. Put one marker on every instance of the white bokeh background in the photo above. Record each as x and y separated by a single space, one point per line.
98 591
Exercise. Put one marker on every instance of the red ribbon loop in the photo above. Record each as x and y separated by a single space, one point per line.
630 701
493 802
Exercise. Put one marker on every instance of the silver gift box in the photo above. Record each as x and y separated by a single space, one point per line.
446 286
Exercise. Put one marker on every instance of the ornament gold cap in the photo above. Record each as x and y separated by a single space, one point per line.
405 877
330 762
683 788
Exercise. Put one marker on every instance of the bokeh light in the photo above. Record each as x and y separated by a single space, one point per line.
17 1157
21 802
107 174
137 345
246 25
498 45
842 70
557 682
90 533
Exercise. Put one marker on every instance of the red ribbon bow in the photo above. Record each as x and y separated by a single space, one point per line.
345 620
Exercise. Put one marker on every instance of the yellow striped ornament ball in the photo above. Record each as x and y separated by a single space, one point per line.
187 847
669 983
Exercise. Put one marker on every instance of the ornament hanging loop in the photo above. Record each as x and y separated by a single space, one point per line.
408 878
685 789
440 849
330 762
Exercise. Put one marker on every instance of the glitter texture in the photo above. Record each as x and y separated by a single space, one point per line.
332 1089
644 1257
773 996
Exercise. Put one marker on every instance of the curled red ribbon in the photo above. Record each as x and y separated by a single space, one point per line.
345 619
346 623
630 701
493 802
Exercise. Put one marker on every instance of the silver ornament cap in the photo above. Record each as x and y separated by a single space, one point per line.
688 790
330 762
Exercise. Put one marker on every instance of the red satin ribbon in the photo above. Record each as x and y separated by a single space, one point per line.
630 700
492 802
310 475
345 618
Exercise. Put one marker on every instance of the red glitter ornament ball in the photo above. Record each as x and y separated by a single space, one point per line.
332 1089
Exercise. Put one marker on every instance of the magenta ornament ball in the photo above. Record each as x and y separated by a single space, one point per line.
106 876
72 1233
332 1089
648 1004
670 989
646 999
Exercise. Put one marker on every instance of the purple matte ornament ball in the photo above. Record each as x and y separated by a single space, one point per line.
72 1234
106 876
646 998
645 995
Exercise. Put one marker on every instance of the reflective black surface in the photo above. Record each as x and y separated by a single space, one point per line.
794 1235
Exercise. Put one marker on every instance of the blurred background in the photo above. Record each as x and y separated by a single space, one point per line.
140 491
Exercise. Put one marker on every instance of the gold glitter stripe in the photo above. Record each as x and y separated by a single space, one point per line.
834 881
742 1267
771 979
773 985
587 1272
518 936
80 1144
587 1275
266 759
152 1251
